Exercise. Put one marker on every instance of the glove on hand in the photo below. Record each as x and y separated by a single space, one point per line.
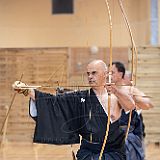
18 86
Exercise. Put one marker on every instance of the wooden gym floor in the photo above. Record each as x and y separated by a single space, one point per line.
29 151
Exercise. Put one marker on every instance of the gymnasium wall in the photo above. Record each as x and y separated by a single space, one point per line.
31 24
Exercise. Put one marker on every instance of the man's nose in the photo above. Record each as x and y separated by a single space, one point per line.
90 76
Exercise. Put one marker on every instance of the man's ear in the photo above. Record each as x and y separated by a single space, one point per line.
120 74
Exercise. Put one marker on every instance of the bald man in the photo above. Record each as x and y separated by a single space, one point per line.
60 119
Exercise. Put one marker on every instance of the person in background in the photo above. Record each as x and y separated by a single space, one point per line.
134 141
127 81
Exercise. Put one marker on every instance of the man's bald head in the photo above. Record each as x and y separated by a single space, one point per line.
98 64
97 73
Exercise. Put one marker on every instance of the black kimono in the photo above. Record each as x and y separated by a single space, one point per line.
62 118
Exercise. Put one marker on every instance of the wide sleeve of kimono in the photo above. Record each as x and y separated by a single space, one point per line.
56 119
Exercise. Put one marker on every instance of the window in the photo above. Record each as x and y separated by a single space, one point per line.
62 6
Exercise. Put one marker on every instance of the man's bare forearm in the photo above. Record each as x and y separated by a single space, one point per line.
125 100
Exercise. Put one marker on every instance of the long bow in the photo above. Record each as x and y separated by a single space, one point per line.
9 109
134 57
110 74
134 66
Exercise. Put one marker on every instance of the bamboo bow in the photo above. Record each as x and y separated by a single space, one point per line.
110 74
134 57
9 109
134 66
